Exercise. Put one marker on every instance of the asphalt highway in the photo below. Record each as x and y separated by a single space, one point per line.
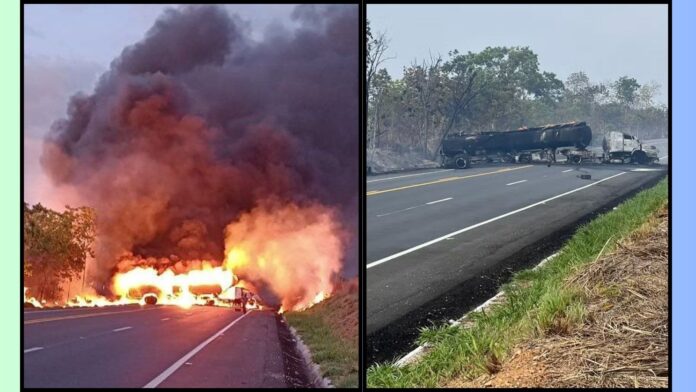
152 346
431 231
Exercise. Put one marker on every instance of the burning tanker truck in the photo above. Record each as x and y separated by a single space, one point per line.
459 150
203 178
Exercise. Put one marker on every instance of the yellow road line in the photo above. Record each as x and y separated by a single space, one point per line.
447 179
45 320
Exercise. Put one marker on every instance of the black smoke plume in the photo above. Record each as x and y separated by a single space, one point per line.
195 124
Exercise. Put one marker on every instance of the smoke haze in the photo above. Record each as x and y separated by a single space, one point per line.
196 125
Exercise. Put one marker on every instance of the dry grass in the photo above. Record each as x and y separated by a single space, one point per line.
623 338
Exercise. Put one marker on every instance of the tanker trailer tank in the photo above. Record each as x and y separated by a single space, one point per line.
460 149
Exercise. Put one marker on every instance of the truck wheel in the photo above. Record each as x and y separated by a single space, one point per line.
150 299
575 159
461 162
640 157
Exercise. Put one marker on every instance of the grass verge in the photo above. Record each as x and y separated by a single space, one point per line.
537 302
330 330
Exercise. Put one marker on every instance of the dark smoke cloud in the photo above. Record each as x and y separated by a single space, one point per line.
196 124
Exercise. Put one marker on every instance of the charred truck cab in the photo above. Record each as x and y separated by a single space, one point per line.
459 150
621 147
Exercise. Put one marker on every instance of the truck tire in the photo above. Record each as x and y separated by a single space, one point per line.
150 299
575 159
640 157
461 161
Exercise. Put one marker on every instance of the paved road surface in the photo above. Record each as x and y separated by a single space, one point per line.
430 231
158 346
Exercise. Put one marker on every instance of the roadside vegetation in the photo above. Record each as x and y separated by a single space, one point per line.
495 89
536 303
330 330
622 340
56 247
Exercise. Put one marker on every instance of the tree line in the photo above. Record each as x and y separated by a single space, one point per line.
496 89
56 247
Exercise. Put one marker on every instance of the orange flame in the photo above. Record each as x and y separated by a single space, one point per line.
294 250
171 288
31 300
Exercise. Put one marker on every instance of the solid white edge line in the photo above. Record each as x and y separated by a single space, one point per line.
439 201
516 182
163 376
410 357
121 329
545 261
436 240
76 308
32 349
566 171
57 310
408 175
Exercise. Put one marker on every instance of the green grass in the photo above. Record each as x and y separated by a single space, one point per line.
336 355
537 302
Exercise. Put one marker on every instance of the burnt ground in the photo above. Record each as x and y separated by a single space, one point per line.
296 372
398 337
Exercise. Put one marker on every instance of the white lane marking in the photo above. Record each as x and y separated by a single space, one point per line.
32 349
410 208
121 329
397 211
566 171
436 240
663 157
409 175
439 201
158 380
644 169
516 182
165 319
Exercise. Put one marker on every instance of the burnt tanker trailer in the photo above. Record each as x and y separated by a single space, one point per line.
459 149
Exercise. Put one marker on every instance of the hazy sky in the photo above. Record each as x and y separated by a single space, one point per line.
98 33
66 49
605 41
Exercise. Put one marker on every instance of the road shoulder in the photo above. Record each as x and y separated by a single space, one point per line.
620 339
534 299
